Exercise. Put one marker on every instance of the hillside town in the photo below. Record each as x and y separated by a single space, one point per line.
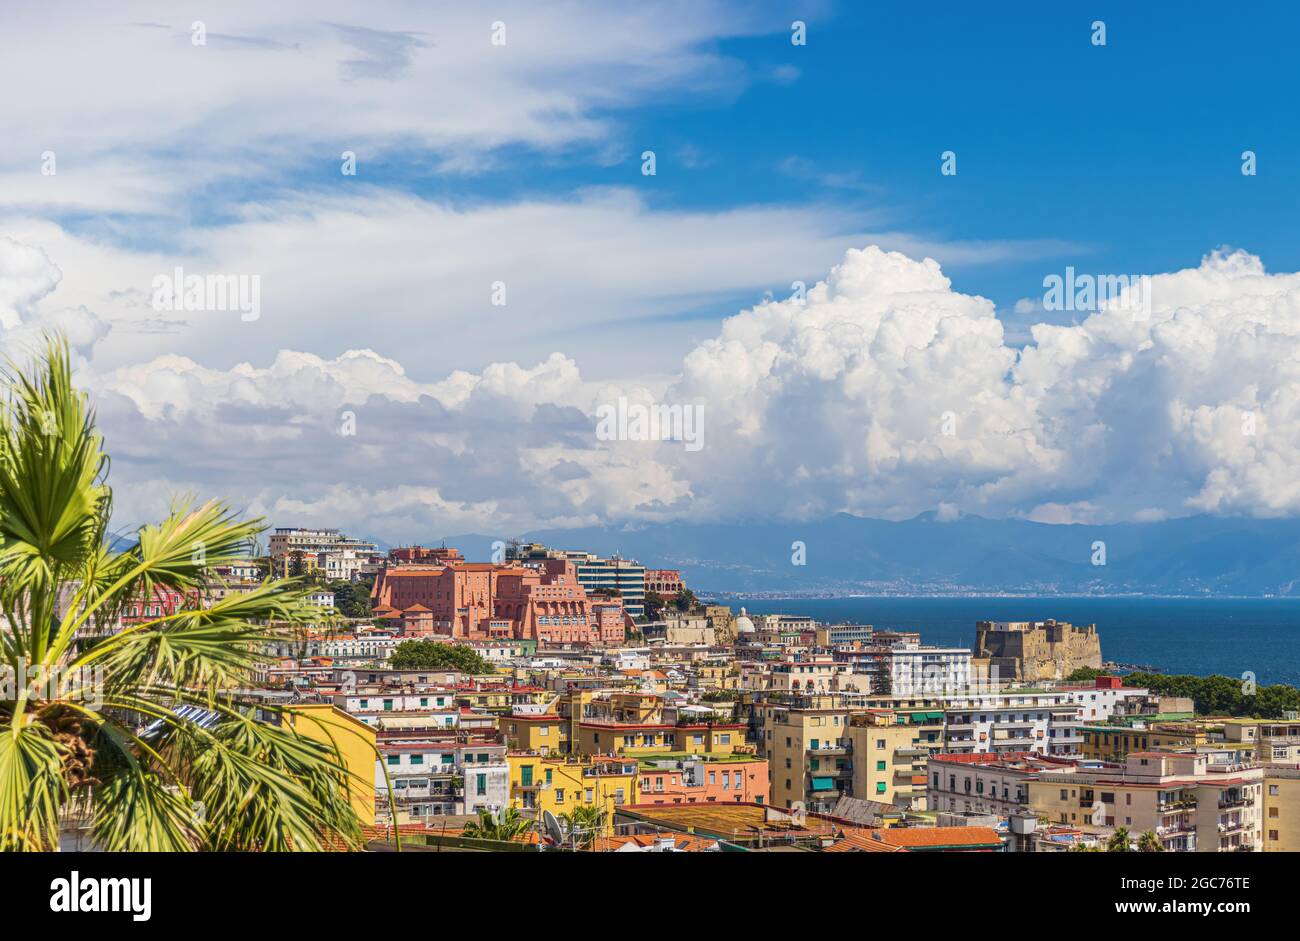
558 700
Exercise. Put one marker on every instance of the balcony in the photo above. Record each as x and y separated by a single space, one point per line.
830 750
844 772
1228 803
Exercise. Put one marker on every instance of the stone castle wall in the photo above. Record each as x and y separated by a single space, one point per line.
1048 651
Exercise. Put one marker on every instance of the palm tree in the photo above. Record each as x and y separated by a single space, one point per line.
1119 842
585 823
1148 842
505 826
144 732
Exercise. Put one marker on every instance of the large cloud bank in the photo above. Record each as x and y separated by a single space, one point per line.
883 392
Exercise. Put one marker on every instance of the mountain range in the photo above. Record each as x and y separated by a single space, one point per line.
845 554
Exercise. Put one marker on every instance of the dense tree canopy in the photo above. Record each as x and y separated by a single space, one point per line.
432 655
1214 695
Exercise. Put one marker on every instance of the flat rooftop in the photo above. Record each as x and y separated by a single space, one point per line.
735 822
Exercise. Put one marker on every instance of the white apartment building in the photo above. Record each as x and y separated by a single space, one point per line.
343 565
982 783
361 647
376 699
1016 720
322 599
927 671
286 539
1098 705
437 777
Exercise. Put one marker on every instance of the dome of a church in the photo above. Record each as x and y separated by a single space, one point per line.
743 624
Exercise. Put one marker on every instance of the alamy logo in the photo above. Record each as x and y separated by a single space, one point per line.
632 421
213 292
1093 292
76 894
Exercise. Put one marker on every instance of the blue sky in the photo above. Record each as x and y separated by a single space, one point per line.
520 165
1130 153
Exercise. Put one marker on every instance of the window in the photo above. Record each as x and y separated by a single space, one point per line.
480 781
559 795
394 760
417 759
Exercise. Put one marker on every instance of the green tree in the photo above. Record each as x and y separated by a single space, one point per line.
1222 695
1119 842
585 824
1085 675
433 655
505 826
1148 842
97 726
685 600
351 599
654 605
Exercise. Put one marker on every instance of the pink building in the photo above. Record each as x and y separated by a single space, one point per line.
540 601
664 582
696 780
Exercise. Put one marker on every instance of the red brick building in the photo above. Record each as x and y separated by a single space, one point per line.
539 601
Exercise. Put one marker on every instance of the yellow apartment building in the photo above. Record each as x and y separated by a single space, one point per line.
1190 800
889 751
1114 742
1281 809
544 733
801 729
632 739
355 741
559 784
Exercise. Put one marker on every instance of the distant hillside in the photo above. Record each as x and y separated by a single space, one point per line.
1200 555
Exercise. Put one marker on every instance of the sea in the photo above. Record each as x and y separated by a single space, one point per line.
1200 636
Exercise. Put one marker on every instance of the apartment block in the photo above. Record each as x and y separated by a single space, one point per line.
889 751
1193 801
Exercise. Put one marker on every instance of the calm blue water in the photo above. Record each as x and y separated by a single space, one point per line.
1178 635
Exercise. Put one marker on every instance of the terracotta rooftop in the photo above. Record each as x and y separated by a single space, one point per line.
933 837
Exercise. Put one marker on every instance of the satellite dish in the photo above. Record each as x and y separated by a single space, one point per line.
552 825
798 812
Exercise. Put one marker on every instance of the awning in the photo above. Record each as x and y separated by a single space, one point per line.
823 784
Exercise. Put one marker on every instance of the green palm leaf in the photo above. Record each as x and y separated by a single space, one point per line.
108 725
